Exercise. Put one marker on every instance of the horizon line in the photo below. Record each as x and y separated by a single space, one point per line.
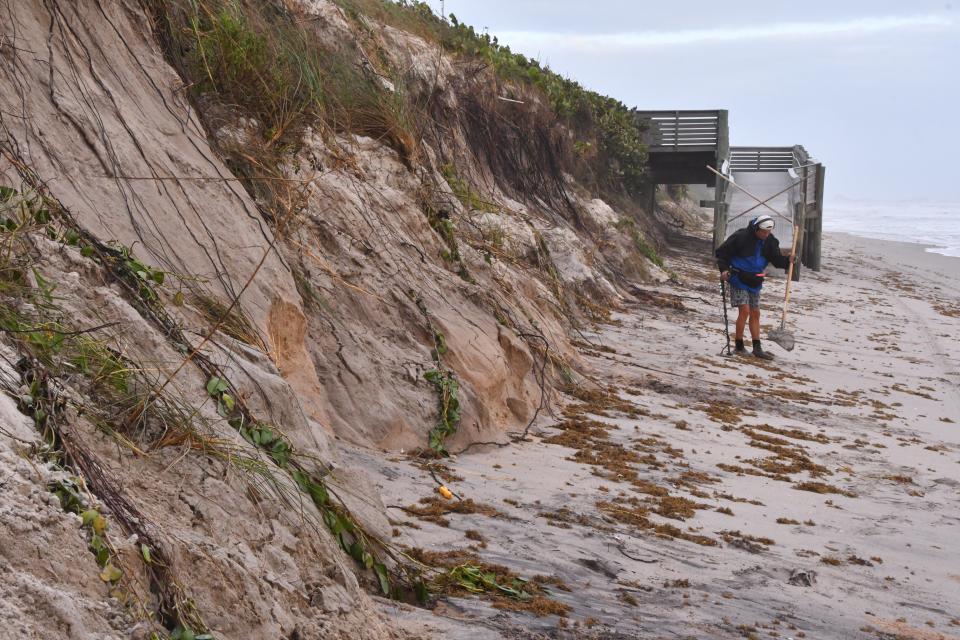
651 39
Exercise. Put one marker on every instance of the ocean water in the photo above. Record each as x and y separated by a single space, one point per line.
932 223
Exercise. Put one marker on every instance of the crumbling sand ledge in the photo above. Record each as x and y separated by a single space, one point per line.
873 383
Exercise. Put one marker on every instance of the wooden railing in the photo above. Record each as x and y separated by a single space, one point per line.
679 131
762 158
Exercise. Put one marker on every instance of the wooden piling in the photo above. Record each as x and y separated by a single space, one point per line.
720 188
816 234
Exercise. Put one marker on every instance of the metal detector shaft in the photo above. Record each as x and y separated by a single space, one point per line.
726 323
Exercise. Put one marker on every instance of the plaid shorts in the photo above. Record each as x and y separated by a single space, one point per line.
739 297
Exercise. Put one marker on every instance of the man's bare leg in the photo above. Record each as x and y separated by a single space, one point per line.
755 324
742 321
741 324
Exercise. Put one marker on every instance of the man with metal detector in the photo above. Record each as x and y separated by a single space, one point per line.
742 259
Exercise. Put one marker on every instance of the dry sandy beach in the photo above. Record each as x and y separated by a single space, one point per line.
690 495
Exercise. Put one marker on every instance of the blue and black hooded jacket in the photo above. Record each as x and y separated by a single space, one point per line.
745 251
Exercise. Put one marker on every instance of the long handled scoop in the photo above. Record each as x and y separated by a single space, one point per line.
781 336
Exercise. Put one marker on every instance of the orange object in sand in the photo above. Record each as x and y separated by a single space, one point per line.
446 493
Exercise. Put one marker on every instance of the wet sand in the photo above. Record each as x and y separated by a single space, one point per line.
817 496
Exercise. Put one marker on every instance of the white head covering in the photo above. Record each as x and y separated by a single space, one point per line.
764 222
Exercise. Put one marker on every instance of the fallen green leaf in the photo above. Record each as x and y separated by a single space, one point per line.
88 516
110 573
216 386
381 570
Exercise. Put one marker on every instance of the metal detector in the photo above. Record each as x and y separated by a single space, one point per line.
726 322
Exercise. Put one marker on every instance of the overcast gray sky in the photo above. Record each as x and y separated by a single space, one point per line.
870 88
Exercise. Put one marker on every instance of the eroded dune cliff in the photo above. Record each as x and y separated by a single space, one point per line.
238 231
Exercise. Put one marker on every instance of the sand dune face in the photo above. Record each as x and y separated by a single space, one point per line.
817 496
124 210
